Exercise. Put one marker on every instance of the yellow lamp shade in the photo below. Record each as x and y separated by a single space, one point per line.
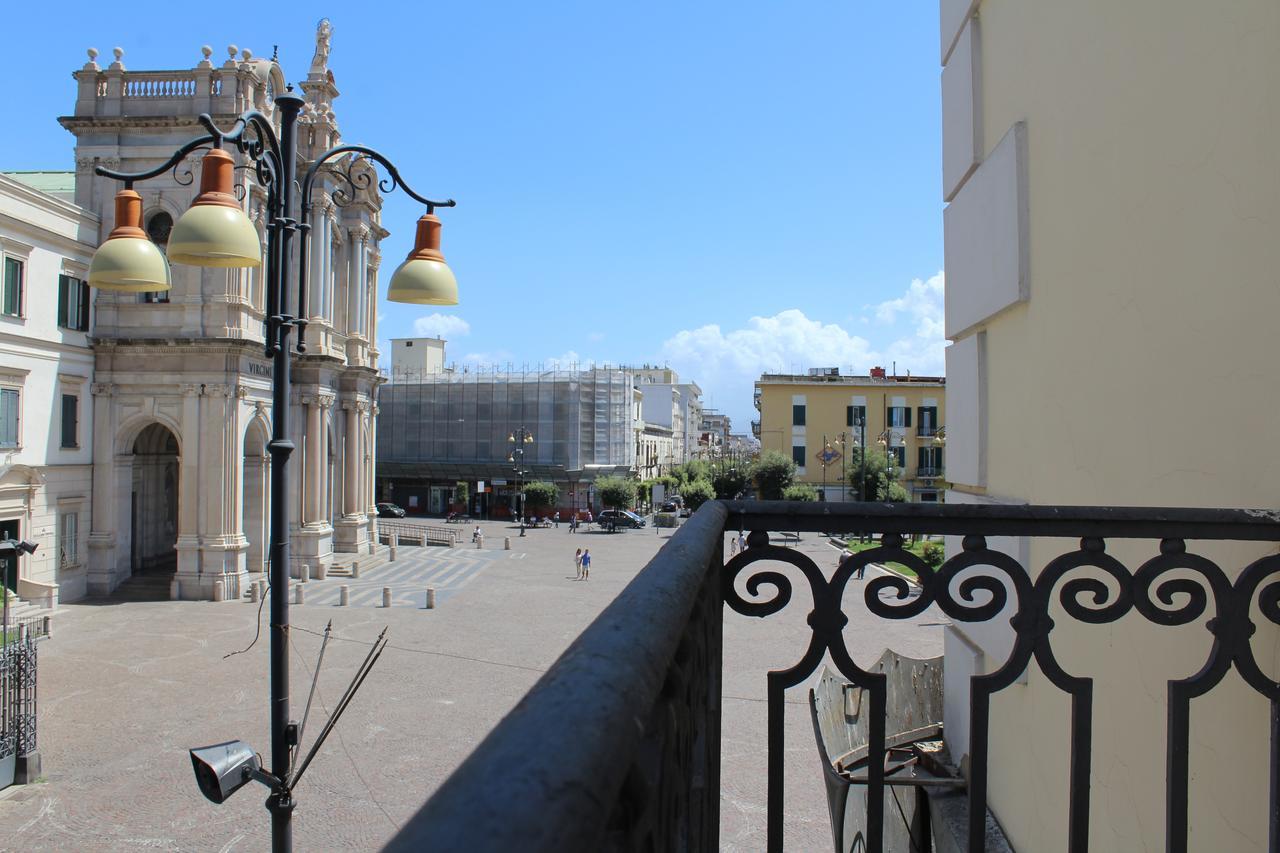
214 235
423 282
132 264
128 261
424 278
214 232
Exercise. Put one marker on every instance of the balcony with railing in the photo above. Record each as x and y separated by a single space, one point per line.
755 428
617 747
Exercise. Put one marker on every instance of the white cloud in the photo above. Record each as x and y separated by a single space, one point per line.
447 326
907 329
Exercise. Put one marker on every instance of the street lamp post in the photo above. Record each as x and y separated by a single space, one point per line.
886 438
215 232
518 440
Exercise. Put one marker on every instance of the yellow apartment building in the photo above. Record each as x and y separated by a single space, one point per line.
1113 205
822 417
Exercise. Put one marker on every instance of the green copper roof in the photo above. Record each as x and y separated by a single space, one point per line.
58 184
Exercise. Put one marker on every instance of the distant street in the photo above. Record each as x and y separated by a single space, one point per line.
126 688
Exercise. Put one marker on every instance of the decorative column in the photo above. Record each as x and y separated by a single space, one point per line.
315 462
103 515
351 458
191 486
352 529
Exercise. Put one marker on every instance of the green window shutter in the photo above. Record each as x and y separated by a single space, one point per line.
906 413
12 286
84 307
69 405
848 415
922 457
64 288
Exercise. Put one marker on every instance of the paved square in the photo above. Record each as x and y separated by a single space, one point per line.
125 689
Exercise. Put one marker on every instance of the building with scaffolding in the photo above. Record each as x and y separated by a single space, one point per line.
440 429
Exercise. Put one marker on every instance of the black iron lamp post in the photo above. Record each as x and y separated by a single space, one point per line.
886 438
518 440
215 232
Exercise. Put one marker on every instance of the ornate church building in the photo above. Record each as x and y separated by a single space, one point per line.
181 388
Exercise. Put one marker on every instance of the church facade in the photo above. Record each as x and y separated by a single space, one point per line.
181 412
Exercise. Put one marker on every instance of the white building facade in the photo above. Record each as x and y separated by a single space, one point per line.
46 367
181 386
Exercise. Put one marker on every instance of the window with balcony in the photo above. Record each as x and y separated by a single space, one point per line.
797 414
928 417
929 462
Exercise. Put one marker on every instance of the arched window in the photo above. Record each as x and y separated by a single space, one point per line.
159 225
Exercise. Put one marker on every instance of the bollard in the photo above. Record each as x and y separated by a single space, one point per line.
254 592
322 571
262 588
506 543
298 594
479 542
219 591
386 596
175 590
355 569
393 553
304 574
48 626
344 595
431 598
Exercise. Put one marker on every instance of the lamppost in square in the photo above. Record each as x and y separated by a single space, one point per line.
518 440
215 232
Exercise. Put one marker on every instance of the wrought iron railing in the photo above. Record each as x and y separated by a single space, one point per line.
617 746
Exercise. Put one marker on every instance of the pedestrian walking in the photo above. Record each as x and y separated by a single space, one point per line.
577 565
733 546
742 542
556 517
586 564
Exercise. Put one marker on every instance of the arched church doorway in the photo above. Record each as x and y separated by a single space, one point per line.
154 501
257 476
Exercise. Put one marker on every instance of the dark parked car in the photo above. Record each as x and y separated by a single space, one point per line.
390 511
619 518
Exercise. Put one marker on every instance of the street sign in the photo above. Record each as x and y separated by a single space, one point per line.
480 486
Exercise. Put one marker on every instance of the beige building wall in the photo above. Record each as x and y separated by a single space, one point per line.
827 417
1111 255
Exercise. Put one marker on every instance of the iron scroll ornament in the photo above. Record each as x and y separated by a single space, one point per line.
1106 594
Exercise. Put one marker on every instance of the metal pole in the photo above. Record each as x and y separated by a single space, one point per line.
824 466
280 802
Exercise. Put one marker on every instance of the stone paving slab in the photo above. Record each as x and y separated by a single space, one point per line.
125 689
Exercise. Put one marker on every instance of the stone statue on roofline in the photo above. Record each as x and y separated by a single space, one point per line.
324 32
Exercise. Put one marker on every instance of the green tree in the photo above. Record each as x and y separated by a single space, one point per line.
697 493
772 473
730 482
880 474
461 492
800 492
616 492
541 495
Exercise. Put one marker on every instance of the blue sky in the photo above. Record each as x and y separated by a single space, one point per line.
727 187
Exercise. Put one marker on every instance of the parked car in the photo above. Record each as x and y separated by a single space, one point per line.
386 510
619 518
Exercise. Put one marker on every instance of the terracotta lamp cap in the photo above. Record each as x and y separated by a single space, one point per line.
217 180
426 245
128 216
